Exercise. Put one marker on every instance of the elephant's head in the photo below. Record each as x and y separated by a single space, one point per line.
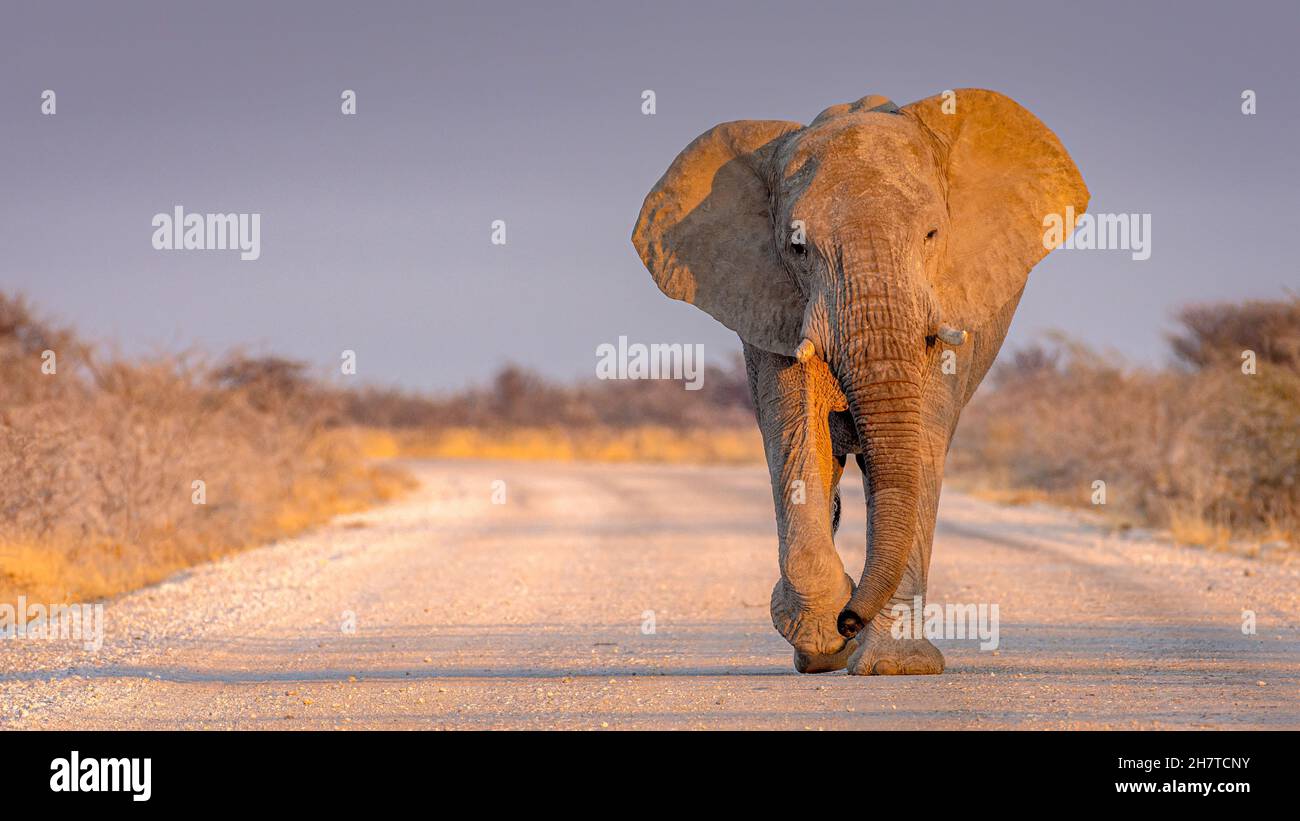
871 238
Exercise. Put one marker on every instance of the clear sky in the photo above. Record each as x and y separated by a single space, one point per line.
376 228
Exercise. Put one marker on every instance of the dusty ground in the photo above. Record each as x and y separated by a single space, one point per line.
530 615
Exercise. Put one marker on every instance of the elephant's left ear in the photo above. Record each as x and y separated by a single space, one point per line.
705 233
1006 173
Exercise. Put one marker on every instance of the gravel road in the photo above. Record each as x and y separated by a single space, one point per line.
635 597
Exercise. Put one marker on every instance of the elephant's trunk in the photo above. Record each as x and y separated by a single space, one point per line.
877 359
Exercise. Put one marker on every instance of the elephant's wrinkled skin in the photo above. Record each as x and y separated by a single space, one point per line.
856 257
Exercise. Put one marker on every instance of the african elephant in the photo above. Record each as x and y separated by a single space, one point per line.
871 262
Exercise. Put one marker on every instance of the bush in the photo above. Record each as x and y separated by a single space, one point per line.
516 398
98 461
1202 447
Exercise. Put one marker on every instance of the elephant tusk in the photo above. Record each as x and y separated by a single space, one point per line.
805 351
951 335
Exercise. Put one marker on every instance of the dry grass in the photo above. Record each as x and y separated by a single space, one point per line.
98 459
98 462
520 414
1201 448
646 443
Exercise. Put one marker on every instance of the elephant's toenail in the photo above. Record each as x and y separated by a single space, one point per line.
885 667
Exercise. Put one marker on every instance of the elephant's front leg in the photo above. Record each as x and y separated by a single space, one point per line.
890 644
794 402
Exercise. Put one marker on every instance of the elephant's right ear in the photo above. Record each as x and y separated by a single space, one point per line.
1006 173
706 235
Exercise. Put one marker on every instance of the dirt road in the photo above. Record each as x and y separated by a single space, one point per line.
448 611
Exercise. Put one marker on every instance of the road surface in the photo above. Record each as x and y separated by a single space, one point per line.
635 597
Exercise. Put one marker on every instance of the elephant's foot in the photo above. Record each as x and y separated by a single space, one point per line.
820 663
810 628
880 654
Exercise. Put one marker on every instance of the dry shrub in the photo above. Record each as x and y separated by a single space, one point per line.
516 398
520 414
98 461
739 445
1202 448
1215 334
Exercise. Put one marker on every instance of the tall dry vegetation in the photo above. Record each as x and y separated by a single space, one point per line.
522 415
518 398
1200 447
98 461
99 457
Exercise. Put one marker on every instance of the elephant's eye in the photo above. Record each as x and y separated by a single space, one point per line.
798 248
933 233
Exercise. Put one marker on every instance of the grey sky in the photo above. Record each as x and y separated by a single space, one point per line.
375 228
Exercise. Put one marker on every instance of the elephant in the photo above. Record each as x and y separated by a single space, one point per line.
871 262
